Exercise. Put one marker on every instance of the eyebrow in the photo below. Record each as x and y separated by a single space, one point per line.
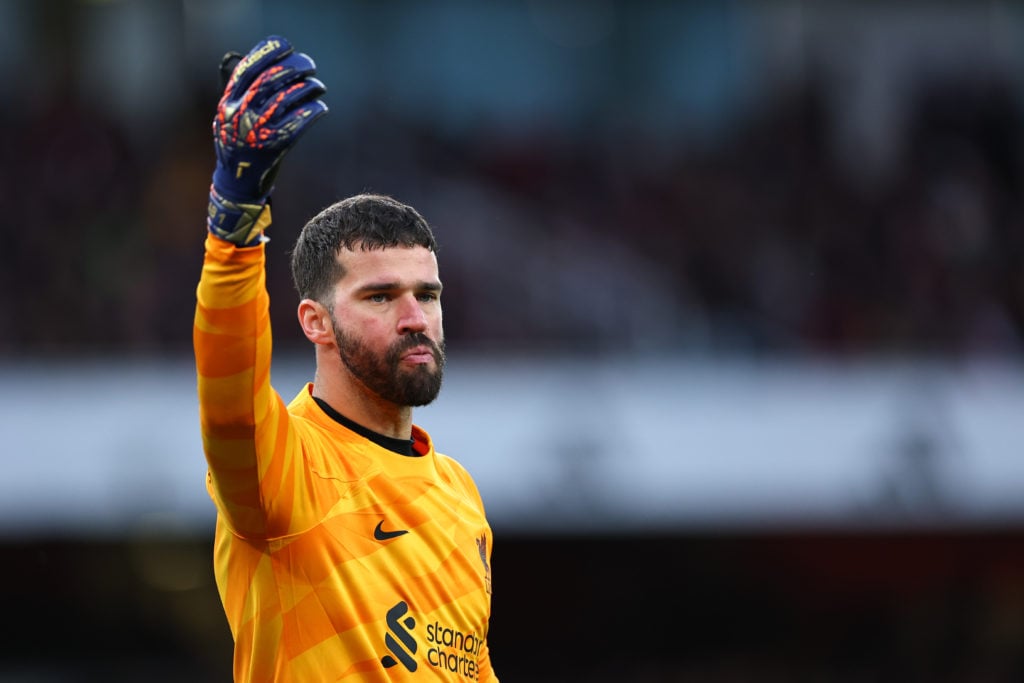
431 286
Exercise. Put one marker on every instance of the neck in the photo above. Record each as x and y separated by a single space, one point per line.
350 397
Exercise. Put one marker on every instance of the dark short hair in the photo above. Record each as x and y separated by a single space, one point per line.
365 221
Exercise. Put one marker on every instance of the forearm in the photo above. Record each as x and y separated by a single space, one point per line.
231 336
232 341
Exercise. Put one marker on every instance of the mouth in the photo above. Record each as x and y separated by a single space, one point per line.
418 355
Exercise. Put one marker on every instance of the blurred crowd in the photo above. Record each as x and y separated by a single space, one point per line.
759 240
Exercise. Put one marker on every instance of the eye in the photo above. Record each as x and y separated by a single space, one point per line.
378 298
428 296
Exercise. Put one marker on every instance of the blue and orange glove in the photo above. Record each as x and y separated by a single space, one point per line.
269 101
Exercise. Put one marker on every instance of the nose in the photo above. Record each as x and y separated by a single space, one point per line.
412 317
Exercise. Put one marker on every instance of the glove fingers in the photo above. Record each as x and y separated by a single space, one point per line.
278 128
277 77
272 124
263 54
302 118
282 137
282 82
296 94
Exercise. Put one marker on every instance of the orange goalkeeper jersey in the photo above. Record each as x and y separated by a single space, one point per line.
336 559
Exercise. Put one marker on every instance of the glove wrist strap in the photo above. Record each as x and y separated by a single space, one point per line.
241 223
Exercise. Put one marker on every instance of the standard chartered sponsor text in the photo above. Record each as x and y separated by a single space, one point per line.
453 650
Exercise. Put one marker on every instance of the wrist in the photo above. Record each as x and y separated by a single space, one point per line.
239 222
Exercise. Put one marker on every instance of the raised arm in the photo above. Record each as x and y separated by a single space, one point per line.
270 99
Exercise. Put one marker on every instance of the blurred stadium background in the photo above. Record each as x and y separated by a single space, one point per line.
734 297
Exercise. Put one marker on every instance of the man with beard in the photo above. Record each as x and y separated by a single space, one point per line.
347 548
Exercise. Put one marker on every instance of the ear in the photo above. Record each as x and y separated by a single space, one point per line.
316 322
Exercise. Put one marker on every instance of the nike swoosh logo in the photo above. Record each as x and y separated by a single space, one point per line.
381 535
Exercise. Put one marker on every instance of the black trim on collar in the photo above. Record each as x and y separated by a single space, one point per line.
400 446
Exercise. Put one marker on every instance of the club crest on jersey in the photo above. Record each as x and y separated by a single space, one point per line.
481 546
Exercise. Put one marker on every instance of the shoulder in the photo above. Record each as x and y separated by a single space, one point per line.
458 475
329 449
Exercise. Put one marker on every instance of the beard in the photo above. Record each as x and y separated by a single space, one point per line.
383 373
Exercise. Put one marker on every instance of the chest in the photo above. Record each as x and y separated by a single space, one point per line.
391 539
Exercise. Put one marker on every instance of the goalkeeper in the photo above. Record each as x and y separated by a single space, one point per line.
347 548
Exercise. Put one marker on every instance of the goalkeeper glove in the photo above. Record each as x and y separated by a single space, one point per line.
270 99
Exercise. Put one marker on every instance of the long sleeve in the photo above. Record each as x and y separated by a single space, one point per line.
244 423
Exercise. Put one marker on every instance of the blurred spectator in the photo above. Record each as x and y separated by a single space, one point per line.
758 241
